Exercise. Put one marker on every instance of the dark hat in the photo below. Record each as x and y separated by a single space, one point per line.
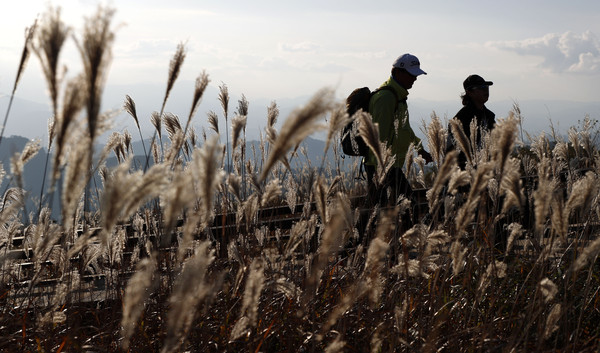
475 81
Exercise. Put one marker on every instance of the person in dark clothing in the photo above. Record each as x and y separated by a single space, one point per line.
477 93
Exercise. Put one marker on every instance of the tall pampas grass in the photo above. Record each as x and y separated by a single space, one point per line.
29 36
301 123
124 192
139 288
190 289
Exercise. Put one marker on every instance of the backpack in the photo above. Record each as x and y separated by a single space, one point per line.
352 143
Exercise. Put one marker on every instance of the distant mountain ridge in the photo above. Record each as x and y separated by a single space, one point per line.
33 173
30 119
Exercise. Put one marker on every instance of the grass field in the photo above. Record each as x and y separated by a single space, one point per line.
213 247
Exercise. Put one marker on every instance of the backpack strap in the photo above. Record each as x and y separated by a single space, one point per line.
389 88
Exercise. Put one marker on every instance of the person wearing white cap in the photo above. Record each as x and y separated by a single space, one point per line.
389 109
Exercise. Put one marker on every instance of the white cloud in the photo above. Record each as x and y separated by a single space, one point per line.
299 47
567 52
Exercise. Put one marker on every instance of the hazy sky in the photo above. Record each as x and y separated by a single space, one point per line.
284 49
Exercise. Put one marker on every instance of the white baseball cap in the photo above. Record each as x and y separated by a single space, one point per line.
409 63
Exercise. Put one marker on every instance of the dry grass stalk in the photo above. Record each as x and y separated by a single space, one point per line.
199 88
176 198
18 161
548 289
436 136
515 229
338 119
301 123
543 194
467 212
272 115
457 253
272 193
190 289
174 69
125 192
496 269
588 255
254 287
583 194
139 288
551 320
29 35
442 176
95 49
74 181
330 244
504 136
238 123
461 139
50 38
369 132
207 175
511 187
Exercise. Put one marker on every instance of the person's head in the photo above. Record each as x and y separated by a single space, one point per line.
477 90
405 70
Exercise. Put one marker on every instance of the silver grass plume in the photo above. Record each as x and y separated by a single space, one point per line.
176 198
18 160
156 120
369 132
542 196
436 136
496 269
49 40
213 120
441 178
504 136
75 180
238 123
548 289
551 320
254 286
174 69
515 229
458 253
587 255
272 193
29 34
125 192
207 175
458 178
272 115
510 186
190 289
95 49
467 211
73 102
338 119
559 217
139 288
331 242
199 88
301 123
583 194
461 139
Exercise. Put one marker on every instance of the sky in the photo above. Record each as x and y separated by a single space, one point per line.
271 50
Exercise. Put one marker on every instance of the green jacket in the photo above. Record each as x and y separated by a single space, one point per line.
394 126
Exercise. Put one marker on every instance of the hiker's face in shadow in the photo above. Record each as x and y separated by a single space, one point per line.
405 79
